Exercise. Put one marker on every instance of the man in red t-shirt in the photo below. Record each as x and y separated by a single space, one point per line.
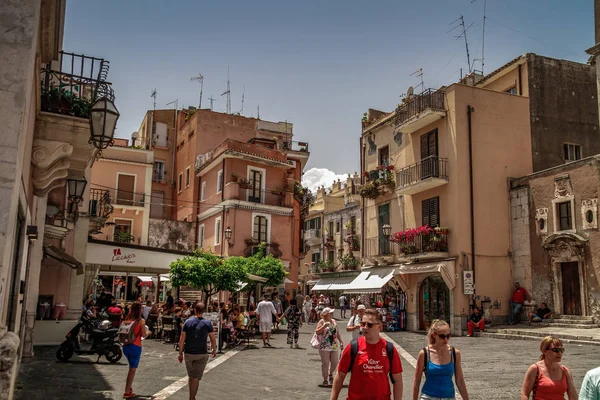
370 377
516 302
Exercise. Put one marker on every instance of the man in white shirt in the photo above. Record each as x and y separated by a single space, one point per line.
146 310
590 387
354 323
264 311
343 305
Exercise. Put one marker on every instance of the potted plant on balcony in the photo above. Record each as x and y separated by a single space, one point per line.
234 177
349 262
370 190
245 184
277 190
123 237
325 266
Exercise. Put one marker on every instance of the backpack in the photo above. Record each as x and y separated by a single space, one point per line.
126 332
452 358
390 353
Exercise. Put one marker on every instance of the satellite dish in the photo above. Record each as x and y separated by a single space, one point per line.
410 92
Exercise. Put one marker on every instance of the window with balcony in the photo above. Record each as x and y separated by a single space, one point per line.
383 218
123 231
218 231
187 177
125 189
256 178
220 181
572 152
429 154
384 156
316 257
430 212
564 216
260 228
330 230
158 173
338 227
331 255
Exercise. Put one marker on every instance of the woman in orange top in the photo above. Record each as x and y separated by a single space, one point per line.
133 351
548 379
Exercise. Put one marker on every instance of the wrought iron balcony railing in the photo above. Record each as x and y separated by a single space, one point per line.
430 99
295 146
436 241
73 83
100 205
430 167
312 234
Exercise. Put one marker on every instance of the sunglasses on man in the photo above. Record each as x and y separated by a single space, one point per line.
556 349
368 324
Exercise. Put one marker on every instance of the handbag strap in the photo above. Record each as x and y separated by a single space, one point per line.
535 384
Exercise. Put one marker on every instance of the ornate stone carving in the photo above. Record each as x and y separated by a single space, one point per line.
541 218
589 213
50 160
562 186
565 246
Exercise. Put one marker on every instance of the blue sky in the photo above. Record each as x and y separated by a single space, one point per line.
318 64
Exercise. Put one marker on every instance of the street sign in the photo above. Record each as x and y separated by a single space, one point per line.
468 287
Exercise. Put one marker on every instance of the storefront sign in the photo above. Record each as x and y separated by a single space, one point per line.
115 256
128 257
468 287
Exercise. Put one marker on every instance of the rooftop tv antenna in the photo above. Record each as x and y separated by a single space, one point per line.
153 95
463 34
243 93
228 93
483 34
258 112
200 79
419 75
211 99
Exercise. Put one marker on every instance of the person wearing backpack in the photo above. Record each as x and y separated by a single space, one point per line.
130 334
373 363
439 362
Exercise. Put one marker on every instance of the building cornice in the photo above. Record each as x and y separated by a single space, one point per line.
246 205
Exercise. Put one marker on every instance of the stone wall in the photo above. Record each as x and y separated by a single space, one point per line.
521 246
172 235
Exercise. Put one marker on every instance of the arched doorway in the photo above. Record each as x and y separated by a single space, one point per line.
434 301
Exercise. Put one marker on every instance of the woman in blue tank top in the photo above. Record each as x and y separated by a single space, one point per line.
439 361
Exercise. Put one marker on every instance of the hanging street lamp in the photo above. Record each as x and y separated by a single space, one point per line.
228 233
387 231
75 189
103 121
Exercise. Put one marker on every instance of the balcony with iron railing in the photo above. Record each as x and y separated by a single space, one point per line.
70 85
422 243
291 145
429 173
100 207
420 110
121 237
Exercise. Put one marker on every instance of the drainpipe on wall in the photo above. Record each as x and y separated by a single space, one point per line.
470 110
222 181
362 202
222 230
196 212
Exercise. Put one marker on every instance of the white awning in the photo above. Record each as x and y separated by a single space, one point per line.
371 280
313 282
444 268
287 281
163 278
323 284
342 282
241 285
256 278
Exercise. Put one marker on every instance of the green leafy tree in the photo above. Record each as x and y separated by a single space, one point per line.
268 267
207 272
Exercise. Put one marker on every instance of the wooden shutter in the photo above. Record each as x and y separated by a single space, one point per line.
125 189
429 144
430 212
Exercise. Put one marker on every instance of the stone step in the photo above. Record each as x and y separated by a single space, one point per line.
509 336
539 333
572 321
575 317
573 325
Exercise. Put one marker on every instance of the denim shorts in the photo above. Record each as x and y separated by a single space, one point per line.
536 318
427 397
133 353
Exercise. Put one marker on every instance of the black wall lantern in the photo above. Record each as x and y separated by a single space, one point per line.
103 121
387 231
228 233
75 189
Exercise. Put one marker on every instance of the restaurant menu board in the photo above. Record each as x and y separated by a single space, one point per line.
214 318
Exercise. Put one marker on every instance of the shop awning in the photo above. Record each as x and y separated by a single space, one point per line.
60 255
256 278
311 283
241 285
342 283
371 280
323 284
163 278
444 268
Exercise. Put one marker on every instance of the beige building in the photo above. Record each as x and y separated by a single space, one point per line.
443 159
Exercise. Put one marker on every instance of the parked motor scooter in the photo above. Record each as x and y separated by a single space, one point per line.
99 341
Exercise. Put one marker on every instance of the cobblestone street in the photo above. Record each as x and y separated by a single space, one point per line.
494 369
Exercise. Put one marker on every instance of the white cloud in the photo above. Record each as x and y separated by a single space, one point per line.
316 177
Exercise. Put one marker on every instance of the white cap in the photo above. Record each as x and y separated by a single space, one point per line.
327 310
361 307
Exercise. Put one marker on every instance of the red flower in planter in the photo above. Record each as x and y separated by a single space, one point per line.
365 174
390 167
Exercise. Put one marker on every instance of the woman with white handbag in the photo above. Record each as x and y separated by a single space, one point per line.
328 340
